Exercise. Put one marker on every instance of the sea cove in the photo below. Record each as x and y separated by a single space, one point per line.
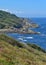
38 39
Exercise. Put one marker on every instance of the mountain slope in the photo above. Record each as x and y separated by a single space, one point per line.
8 20
14 53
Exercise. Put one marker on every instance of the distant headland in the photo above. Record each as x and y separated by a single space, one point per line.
11 23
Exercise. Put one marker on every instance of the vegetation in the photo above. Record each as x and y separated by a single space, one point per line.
36 47
8 20
14 53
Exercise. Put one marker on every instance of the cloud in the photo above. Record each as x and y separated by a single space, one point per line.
19 12
4 9
7 10
15 11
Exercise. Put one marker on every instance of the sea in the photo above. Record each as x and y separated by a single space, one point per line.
38 39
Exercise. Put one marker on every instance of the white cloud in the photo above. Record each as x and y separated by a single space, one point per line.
4 9
15 11
7 10
19 12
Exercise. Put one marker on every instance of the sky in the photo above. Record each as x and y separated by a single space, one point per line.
25 8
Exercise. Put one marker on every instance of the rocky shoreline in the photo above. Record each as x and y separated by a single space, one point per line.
18 31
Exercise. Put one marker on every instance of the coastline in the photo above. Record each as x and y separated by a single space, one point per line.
18 31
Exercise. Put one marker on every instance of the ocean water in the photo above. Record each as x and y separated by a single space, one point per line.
33 38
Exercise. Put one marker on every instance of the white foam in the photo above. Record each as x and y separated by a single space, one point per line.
20 38
29 37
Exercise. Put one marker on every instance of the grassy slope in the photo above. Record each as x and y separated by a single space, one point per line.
8 20
14 53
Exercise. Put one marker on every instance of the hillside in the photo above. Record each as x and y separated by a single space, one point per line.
11 23
14 53
8 20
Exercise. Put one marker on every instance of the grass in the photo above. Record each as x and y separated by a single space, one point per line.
8 20
36 47
14 53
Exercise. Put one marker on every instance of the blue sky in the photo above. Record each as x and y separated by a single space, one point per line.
25 8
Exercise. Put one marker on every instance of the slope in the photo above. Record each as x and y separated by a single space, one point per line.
14 53
9 20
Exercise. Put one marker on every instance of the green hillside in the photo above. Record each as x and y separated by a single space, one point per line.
7 19
14 53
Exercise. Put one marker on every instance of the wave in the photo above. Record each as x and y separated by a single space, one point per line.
29 37
20 38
